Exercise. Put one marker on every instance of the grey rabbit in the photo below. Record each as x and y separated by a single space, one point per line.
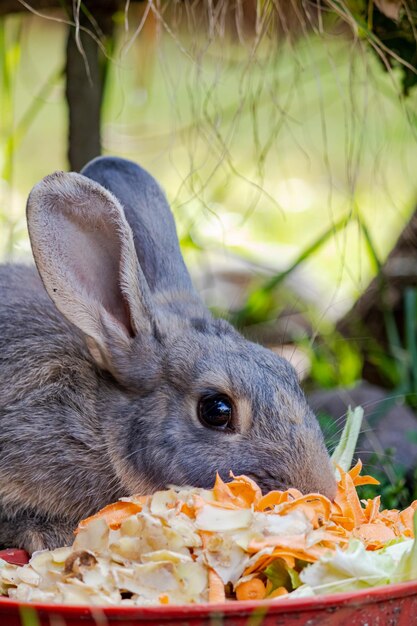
116 379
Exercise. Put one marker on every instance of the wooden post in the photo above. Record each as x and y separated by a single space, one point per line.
85 77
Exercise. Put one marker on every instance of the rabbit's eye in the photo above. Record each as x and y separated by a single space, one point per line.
215 411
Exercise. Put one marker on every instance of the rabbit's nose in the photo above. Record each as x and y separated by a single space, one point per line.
330 492
316 475
325 483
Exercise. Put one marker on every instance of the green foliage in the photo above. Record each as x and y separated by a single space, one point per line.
396 489
389 26
14 129
259 303
335 361
400 364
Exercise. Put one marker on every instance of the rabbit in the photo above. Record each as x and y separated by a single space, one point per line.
116 379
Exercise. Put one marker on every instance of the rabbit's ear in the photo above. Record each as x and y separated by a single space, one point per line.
84 251
152 223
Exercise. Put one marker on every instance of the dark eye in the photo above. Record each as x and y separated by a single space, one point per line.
215 411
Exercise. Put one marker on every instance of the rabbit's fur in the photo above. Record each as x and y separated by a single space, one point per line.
100 379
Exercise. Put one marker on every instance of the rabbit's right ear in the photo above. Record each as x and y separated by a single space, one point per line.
83 248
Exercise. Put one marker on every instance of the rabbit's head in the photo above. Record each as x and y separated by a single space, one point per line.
219 402
181 394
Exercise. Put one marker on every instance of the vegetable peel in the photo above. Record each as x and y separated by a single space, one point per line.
195 545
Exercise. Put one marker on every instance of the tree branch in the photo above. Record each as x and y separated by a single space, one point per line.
17 6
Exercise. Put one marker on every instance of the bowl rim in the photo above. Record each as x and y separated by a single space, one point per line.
324 602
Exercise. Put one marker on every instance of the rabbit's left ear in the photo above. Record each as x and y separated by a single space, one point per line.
84 251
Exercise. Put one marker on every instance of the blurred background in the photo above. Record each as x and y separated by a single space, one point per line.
284 133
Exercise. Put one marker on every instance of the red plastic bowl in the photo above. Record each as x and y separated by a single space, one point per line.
15 556
392 605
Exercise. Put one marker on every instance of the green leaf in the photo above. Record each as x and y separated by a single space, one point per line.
294 577
277 574
345 449
280 575
357 568
348 570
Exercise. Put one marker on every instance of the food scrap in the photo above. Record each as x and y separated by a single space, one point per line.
229 543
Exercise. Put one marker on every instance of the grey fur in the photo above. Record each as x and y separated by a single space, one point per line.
98 399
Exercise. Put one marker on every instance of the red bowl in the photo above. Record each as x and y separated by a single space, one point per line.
392 605
15 556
